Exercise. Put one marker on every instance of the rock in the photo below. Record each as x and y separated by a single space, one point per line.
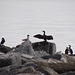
10 59
69 73
40 65
66 58
70 59
52 61
2 53
5 62
46 46
36 73
41 53
61 57
31 67
44 71
49 71
26 56
15 57
55 56
23 60
12 69
5 49
39 60
27 70
25 47
4 72
62 67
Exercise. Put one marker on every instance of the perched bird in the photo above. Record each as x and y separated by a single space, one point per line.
45 37
26 38
66 50
2 41
70 50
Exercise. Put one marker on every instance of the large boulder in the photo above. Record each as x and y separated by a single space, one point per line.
25 47
38 64
64 58
69 73
41 53
15 58
5 62
39 71
46 46
4 72
31 66
4 49
10 59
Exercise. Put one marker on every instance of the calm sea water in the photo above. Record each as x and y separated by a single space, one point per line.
21 17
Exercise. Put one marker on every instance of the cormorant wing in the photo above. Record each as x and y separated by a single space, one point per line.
39 36
50 37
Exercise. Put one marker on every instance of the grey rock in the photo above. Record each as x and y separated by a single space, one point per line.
41 53
69 73
15 57
61 57
40 65
49 71
23 60
53 61
26 47
5 62
36 73
10 59
12 69
46 46
55 56
70 59
4 72
66 58
27 70
23 55
5 49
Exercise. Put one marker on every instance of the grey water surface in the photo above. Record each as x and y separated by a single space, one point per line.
21 17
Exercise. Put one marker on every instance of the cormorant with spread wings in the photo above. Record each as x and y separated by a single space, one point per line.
45 37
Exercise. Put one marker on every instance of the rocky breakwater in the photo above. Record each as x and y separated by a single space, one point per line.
48 47
24 60
5 49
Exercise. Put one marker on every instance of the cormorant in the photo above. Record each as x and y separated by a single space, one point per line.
66 50
2 41
70 50
26 38
45 37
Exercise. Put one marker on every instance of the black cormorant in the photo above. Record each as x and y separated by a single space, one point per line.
70 50
45 37
2 41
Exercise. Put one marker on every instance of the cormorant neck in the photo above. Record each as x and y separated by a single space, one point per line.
43 32
28 37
